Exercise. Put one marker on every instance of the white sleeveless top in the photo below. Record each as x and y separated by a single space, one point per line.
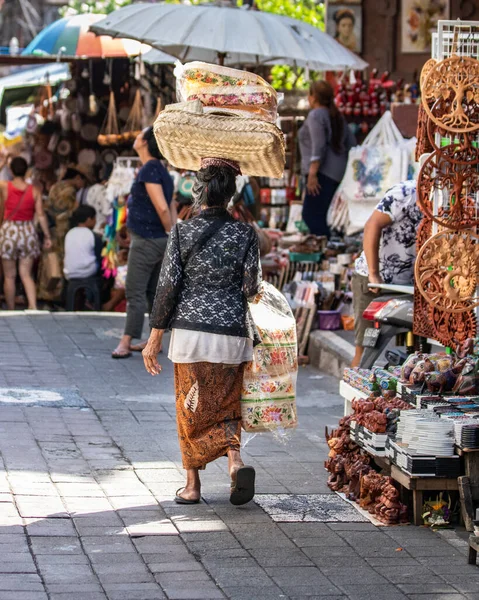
198 346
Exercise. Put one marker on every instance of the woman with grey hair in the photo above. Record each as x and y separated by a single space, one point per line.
211 270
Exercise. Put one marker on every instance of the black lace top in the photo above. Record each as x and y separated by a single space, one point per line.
204 285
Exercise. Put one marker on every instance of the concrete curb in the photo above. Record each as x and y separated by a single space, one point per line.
330 352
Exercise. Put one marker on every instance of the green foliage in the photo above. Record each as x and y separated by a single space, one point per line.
78 7
304 10
284 77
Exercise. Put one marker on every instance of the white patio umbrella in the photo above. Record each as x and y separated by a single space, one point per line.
231 35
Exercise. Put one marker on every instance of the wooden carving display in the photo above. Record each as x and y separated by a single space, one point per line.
426 69
455 147
451 93
447 190
447 271
451 329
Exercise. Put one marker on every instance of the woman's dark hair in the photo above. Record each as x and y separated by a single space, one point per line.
82 214
323 93
214 186
18 166
149 137
344 13
71 173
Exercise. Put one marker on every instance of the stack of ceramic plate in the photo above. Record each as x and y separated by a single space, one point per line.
470 436
458 425
433 436
407 423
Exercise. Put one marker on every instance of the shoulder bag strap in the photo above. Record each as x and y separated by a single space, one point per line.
19 205
204 238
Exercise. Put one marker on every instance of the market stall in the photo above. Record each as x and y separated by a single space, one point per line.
416 427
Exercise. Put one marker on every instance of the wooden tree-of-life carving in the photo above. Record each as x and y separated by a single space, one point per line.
453 187
451 94
447 264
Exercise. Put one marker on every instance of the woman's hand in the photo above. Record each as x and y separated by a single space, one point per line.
151 351
47 243
312 184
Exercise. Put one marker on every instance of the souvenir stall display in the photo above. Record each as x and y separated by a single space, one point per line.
384 159
363 101
419 423
117 190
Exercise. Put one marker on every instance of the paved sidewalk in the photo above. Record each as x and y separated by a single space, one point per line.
91 463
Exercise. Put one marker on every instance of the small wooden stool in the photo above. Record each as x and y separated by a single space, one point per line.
473 549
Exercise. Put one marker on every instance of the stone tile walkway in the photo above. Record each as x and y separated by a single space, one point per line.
87 480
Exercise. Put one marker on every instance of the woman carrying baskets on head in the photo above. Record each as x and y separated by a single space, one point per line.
210 271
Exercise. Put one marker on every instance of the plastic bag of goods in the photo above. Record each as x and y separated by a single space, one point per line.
230 90
268 401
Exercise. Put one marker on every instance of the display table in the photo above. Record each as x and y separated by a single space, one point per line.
349 394
418 485
469 486
473 549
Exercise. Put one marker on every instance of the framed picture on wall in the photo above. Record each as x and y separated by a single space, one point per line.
418 21
344 23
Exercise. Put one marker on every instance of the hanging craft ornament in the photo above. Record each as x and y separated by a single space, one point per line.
134 123
447 192
460 148
423 145
110 132
447 271
451 93
426 69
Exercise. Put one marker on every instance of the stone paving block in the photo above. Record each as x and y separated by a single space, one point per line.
157 544
56 545
50 527
186 577
358 591
309 576
79 588
178 567
135 594
438 588
28 582
107 544
192 591
78 596
151 528
249 593
70 574
47 506
305 591
433 597
280 557
348 576
119 573
406 573
58 560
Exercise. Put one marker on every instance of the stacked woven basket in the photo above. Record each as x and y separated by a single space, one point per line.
223 113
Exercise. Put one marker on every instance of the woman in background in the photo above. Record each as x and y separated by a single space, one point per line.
325 140
149 223
18 238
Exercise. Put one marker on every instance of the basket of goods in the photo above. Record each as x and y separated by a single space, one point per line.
110 132
134 123
230 89
210 123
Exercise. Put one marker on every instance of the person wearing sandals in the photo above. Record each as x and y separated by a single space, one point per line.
149 223
211 269
19 241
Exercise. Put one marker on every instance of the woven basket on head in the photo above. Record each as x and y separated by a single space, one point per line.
185 137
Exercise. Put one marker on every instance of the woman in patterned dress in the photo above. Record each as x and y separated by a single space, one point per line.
210 271
18 238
